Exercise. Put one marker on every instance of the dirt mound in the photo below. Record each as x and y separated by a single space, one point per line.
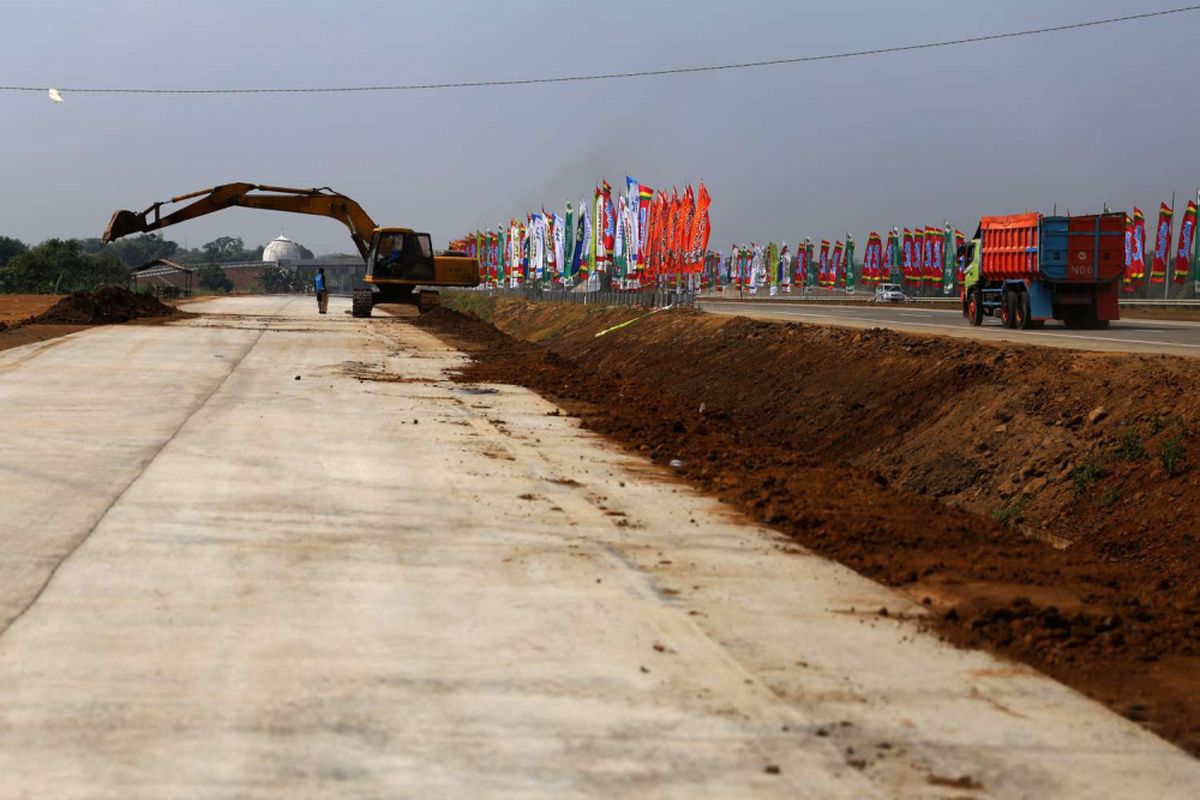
106 306
924 463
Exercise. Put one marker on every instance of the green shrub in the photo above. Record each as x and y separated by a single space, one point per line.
1011 514
1111 495
1130 446
1086 473
1174 455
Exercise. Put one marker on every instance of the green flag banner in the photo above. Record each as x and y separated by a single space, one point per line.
569 248
1196 251
851 267
894 262
949 260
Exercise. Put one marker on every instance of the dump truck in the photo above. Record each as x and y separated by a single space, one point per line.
401 264
1029 268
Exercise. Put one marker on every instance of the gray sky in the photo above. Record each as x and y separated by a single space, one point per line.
1076 118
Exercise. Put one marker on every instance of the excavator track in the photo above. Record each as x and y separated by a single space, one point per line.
361 303
427 301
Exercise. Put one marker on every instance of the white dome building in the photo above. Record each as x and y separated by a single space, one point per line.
282 249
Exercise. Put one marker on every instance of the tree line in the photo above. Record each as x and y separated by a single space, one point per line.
61 266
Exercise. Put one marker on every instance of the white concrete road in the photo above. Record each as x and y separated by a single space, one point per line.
218 581
1128 335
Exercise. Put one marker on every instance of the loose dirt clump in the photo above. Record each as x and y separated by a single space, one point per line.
948 469
106 306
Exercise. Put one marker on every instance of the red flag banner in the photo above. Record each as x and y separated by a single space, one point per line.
687 216
823 270
1162 243
837 272
610 226
867 273
1127 278
938 239
664 235
1187 233
907 256
933 272
918 256
889 253
1137 257
875 257
918 264
676 219
698 245
881 260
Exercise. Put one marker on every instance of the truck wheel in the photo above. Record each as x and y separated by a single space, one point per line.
1073 319
974 309
1021 303
1008 311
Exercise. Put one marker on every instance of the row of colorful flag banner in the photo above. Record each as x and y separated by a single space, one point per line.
1183 260
915 256
638 238
929 257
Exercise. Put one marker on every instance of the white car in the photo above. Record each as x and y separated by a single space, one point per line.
889 293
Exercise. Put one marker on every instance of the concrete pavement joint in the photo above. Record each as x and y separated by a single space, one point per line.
8 624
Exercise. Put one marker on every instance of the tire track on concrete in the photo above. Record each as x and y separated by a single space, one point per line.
145 465
742 688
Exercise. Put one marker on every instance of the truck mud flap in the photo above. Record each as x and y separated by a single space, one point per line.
1041 301
1107 302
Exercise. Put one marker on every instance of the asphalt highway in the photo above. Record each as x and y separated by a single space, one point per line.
1131 336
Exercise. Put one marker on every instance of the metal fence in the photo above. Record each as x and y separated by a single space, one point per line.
650 298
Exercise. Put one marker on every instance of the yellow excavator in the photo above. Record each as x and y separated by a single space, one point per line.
401 264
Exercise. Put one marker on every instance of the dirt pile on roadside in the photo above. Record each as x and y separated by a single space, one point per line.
105 306
891 453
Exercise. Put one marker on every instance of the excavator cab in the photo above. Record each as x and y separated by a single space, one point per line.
400 254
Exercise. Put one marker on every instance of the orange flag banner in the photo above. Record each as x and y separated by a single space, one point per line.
698 240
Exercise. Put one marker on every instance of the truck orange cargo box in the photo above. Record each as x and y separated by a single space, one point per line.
1086 249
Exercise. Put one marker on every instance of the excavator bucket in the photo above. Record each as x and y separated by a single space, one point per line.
123 223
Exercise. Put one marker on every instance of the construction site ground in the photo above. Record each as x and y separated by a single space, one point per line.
20 307
255 552
1020 493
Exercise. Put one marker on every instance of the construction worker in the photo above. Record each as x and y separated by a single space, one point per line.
321 292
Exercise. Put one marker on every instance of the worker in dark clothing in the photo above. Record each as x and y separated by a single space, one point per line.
321 291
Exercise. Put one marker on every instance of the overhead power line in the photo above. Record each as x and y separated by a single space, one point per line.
608 76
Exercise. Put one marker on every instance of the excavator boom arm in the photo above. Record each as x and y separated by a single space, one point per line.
322 202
